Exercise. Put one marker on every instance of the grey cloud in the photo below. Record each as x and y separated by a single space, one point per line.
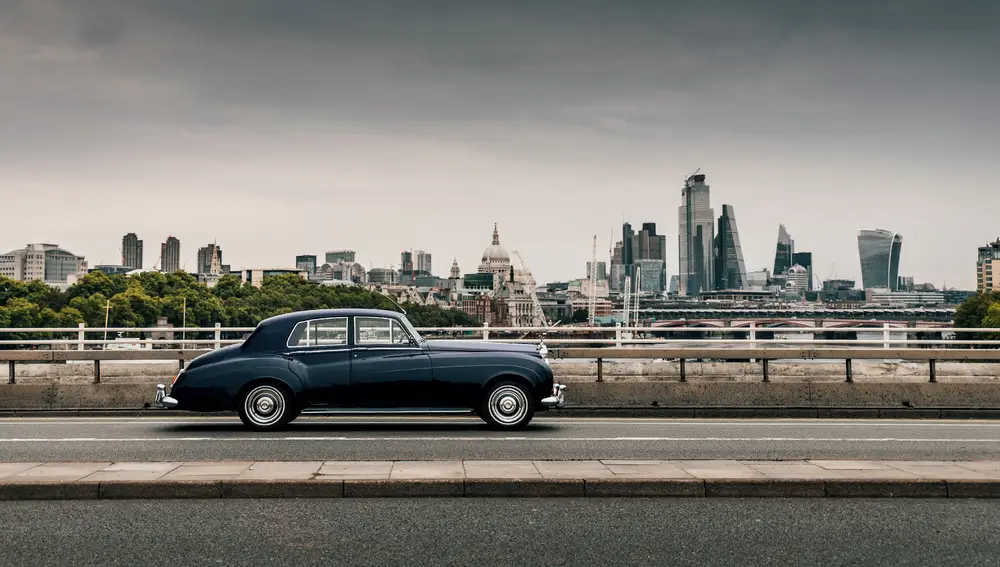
572 92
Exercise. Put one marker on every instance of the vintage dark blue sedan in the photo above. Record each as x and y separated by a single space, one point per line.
360 361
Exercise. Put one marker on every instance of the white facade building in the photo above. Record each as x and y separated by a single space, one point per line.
43 262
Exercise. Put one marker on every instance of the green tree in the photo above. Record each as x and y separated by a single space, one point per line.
91 307
992 321
971 312
97 282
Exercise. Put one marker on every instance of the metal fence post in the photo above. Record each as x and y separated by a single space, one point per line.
683 370
767 377
850 371
618 335
218 336
10 370
600 370
97 371
933 369
886 335
80 336
753 336
486 331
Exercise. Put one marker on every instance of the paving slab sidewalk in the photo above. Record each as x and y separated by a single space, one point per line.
331 479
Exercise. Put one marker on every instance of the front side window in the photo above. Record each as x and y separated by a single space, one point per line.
320 332
379 331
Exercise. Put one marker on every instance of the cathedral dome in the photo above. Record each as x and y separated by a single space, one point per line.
495 253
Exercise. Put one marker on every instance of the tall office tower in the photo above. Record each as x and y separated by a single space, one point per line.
696 221
406 261
879 251
170 255
340 256
628 251
805 259
205 258
987 272
422 262
730 271
652 246
132 251
602 270
617 275
784 254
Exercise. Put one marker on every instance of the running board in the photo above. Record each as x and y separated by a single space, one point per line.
384 411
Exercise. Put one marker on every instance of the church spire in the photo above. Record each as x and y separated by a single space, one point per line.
496 235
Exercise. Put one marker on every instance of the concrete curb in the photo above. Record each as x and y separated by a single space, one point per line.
508 488
611 412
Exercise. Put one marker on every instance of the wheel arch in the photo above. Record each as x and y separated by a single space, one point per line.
511 375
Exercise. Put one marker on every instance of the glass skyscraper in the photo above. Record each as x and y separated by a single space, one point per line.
730 271
696 221
783 255
879 251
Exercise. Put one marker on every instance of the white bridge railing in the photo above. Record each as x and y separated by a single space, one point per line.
747 335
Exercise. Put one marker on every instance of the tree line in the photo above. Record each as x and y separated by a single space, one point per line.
142 299
981 311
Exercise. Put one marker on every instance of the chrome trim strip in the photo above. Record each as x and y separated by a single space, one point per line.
380 411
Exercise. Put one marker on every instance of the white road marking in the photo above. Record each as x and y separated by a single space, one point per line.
491 439
659 422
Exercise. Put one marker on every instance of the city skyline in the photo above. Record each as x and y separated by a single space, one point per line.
552 120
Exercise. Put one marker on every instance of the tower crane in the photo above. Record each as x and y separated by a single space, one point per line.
538 319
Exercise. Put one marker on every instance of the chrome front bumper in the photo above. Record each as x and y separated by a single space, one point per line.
162 399
558 397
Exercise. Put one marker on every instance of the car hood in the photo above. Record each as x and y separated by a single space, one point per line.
480 346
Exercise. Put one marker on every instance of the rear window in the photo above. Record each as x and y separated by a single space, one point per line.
319 332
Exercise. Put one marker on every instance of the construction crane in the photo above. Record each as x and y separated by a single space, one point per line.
538 319
592 300
638 280
626 302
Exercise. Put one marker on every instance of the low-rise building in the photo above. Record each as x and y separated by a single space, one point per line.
256 276
43 262
887 298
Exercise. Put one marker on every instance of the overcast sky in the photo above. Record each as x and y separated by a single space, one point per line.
283 127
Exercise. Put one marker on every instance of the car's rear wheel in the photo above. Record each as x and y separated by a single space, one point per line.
265 407
508 404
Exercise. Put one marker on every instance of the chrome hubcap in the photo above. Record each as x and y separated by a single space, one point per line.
508 405
265 405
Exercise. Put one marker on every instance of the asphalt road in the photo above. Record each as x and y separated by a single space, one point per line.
499 532
211 438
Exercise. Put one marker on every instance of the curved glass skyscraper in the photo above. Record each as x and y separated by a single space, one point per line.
879 250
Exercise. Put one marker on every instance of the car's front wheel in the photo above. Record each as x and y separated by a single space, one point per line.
266 407
507 405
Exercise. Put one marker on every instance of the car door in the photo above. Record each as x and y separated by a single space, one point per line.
320 355
388 368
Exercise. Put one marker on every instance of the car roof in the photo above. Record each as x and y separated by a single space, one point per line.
296 316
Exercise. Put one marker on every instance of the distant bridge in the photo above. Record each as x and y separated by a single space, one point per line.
788 314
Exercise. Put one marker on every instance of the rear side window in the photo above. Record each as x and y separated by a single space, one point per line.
379 331
319 332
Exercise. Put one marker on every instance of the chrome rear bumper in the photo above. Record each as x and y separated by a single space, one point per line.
557 399
162 399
